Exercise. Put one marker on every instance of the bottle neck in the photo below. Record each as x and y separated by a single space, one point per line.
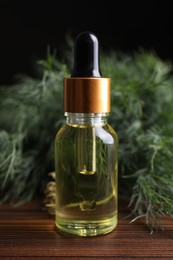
86 119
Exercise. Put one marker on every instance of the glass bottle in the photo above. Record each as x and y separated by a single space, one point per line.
86 149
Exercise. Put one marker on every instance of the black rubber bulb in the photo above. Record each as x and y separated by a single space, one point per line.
86 56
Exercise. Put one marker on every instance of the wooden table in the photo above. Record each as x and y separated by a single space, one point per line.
28 232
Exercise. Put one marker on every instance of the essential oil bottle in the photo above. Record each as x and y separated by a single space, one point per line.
86 148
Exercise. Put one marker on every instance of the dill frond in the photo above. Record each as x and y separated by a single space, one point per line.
31 113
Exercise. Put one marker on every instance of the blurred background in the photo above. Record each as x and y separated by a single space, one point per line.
27 28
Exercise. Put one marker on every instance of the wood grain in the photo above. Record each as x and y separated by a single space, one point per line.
29 233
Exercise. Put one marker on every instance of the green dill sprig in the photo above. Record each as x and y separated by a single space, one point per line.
31 111
152 195
142 114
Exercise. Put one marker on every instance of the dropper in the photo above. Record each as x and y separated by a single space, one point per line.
86 91
86 56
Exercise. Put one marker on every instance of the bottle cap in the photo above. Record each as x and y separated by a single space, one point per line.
86 91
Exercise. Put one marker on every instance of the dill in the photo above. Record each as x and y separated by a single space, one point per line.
141 113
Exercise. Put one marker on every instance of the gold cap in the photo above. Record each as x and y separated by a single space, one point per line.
87 95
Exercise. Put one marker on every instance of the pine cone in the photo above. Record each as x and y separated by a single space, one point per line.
49 199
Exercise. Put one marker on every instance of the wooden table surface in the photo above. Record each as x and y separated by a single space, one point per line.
28 232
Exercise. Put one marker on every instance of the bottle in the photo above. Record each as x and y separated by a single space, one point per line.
86 148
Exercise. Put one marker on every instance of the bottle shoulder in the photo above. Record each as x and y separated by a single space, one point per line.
110 129
105 132
62 131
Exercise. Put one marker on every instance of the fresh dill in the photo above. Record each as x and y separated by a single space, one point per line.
141 112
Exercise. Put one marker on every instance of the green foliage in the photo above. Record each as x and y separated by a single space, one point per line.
31 112
142 115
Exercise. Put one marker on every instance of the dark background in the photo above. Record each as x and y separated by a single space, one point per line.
27 28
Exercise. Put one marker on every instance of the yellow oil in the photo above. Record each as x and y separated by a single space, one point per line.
86 179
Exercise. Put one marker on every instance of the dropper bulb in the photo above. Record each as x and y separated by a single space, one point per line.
86 56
